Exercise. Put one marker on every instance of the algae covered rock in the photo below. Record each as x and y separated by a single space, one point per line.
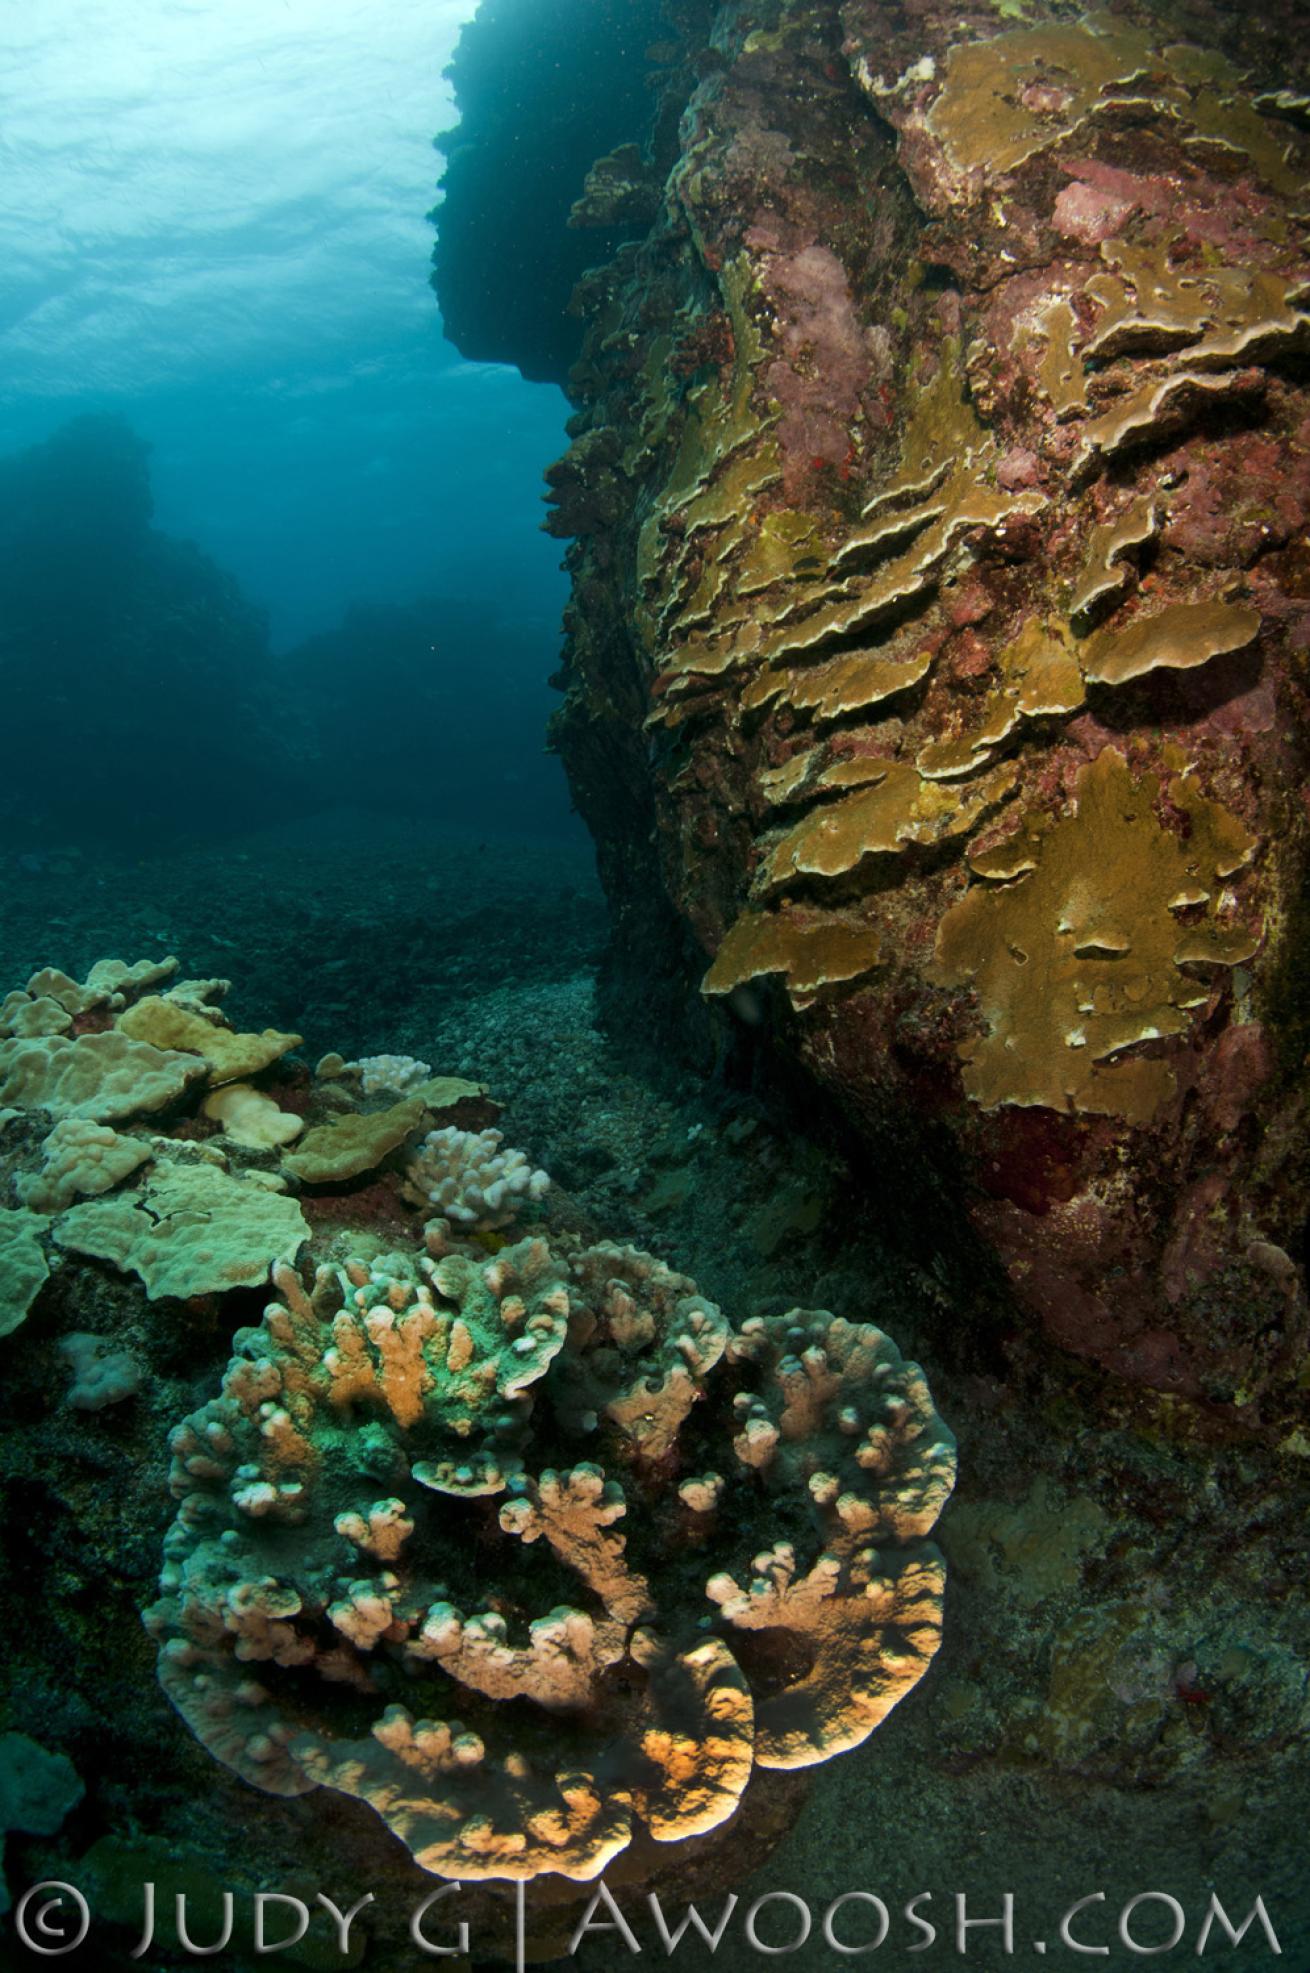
935 667
505 261
37 1790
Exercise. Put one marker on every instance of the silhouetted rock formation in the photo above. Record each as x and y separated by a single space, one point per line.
542 92
132 669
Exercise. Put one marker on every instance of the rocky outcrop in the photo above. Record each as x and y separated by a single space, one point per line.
541 91
938 495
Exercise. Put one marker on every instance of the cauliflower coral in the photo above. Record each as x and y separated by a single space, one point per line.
467 1176
475 1540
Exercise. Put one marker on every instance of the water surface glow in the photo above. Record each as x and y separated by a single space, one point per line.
214 223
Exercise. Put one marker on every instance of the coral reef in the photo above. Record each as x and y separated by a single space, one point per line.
309 1548
469 1178
101 1376
23 1267
190 1229
121 1149
1122 1666
250 1118
80 1159
228 1057
472 1531
936 659
400 1073
355 1142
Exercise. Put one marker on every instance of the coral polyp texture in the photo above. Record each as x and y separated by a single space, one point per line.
473 1530
467 1176
938 490
468 1538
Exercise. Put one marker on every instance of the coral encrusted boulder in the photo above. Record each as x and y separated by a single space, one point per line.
474 1540
937 657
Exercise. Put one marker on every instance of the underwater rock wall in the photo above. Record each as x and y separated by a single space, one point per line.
937 499
541 92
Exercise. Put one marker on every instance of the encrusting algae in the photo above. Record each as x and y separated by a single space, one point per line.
994 529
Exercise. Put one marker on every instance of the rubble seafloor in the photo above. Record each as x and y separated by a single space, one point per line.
1119 1704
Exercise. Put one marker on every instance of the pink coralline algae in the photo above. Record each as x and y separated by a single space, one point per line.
938 618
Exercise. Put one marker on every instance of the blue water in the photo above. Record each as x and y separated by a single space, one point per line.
214 228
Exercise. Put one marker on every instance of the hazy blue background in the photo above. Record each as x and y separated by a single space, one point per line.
213 224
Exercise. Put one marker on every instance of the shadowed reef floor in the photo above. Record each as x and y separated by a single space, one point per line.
1119 1704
